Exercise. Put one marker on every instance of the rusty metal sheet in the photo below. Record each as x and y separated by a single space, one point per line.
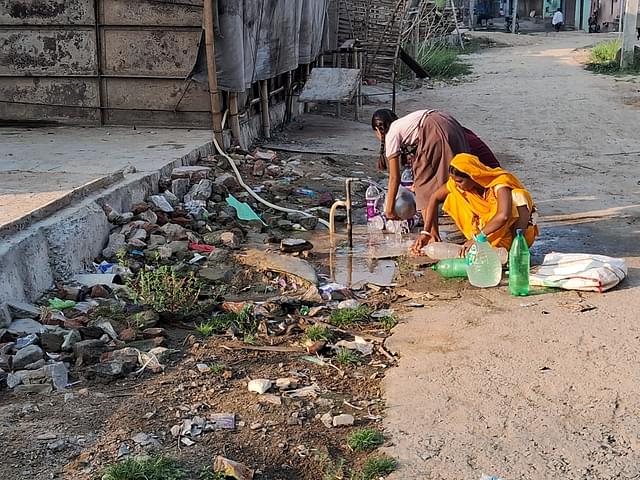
150 52
46 12
47 52
77 92
157 119
151 94
38 115
153 13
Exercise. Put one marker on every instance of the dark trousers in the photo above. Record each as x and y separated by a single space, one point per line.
557 26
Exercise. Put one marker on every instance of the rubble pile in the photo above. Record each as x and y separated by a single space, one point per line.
183 276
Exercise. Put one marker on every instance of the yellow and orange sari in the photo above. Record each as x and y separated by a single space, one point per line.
471 212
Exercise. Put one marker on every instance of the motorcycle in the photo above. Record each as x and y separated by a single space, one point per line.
508 21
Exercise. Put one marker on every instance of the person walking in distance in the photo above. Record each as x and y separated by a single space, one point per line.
558 20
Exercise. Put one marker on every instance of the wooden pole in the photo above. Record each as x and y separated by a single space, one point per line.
233 119
306 78
264 109
212 74
629 33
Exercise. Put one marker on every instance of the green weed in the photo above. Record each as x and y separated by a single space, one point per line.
441 61
217 368
250 339
345 357
603 58
245 321
345 317
205 473
166 291
332 470
216 325
364 440
378 467
388 322
155 468
318 332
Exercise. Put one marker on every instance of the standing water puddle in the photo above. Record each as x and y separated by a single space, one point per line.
369 261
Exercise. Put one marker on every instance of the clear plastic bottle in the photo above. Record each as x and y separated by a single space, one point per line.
374 219
519 265
406 179
371 196
502 252
485 269
442 250
451 267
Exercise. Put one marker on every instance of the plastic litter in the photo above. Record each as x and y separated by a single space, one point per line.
57 304
105 267
201 247
196 258
306 192
243 210
30 339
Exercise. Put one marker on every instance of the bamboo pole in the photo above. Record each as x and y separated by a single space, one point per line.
233 118
264 109
212 74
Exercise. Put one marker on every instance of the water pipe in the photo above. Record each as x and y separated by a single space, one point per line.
250 191
347 205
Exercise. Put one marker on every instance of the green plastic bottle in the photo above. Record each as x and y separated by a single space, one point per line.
519 265
451 267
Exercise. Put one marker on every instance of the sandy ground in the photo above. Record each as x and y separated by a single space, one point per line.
544 386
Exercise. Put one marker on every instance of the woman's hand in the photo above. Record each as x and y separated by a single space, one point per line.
421 241
391 215
466 247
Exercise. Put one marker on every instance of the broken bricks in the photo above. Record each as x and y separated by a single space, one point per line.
229 468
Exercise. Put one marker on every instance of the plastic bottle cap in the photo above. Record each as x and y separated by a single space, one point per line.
519 231
481 238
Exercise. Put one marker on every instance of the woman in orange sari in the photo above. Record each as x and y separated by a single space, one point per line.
482 199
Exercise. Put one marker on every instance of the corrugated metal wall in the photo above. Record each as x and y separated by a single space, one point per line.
116 62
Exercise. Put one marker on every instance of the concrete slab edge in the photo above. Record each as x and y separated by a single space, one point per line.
55 248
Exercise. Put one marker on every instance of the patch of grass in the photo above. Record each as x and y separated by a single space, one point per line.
332 470
216 325
166 291
441 61
345 357
388 322
318 332
603 57
206 473
245 321
155 468
250 339
345 317
364 440
217 368
378 467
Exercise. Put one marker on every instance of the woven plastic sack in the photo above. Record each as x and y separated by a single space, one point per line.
579 271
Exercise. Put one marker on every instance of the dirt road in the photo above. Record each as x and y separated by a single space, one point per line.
545 386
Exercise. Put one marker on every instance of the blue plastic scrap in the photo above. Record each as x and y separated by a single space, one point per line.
243 210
